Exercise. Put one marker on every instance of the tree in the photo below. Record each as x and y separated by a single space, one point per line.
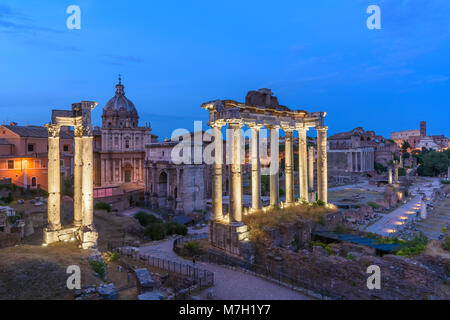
405 146
433 164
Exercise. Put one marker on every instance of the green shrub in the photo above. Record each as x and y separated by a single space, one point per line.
99 268
413 247
102 206
146 219
110 256
447 243
13 219
319 203
350 257
193 247
445 181
156 231
323 245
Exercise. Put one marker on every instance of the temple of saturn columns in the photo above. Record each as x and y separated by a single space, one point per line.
228 234
83 228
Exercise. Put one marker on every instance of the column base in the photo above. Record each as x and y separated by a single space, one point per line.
88 237
62 235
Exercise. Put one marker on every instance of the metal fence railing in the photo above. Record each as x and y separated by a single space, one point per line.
199 277
189 238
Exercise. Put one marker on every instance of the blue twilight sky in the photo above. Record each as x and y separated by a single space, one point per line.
175 55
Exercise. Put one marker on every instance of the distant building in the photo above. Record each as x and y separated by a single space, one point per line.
357 150
120 143
419 139
24 155
182 188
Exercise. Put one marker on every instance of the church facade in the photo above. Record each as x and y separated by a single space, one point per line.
120 144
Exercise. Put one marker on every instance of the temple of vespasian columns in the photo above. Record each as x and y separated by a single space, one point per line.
83 228
228 234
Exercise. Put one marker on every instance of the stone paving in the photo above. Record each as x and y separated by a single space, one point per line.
391 222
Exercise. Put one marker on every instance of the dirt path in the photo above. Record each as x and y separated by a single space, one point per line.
229 284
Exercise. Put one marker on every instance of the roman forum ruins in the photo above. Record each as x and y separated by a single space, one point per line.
260 110
83 226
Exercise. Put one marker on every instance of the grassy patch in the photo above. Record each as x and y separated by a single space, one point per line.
102 206
276 216
323 245
193 247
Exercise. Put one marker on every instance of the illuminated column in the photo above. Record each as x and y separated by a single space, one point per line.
54 175
218 160
289 166
322 175
78 177
236 176
390 175
396 171
311 168
256 169
302 164
87 186
274 167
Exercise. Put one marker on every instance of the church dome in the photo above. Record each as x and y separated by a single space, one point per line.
119 102
119 111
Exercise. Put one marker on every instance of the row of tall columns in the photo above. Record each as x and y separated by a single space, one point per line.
305 180
361 161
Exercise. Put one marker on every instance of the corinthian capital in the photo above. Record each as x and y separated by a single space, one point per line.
78 131
53 130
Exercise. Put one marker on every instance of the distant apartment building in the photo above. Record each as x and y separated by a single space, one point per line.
23 155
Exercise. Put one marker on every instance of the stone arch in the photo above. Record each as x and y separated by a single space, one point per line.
162 184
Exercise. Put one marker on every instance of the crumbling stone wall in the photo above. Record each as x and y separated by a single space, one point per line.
342 275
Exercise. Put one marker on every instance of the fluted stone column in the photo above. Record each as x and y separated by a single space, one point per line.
256 169
236 175
54 178
218 160
302 164
87 183
289 166
78 178
322 174
274 167
311 169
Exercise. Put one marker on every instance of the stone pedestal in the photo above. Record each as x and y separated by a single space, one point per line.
88 238
230 240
